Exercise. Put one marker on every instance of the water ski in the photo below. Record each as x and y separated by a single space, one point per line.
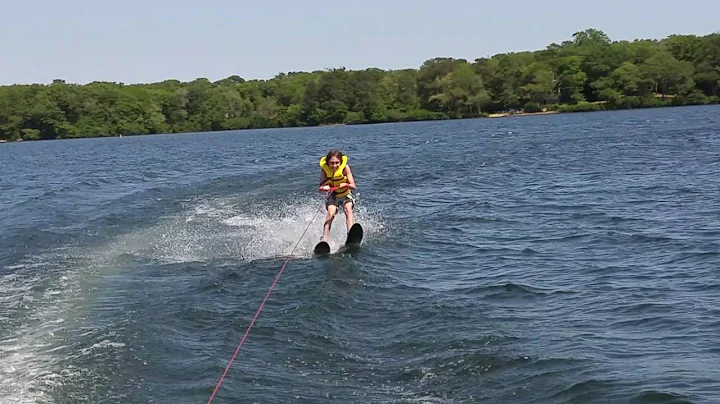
354 236
322 248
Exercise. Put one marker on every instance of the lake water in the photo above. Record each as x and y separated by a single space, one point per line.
569 258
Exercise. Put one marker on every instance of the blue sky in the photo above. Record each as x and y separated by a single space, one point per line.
134 41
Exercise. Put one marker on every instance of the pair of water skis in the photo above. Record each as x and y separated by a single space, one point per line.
353 240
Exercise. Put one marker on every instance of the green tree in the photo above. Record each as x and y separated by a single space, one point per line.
589 66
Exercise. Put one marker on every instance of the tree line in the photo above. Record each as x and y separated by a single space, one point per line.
587 73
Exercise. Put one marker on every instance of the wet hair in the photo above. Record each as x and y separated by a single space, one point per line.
334 153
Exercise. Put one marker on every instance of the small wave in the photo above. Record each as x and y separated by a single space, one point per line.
561 239
615 237
679 257
708 287
499 376
650 238
659 397
509 291
424 398
648 323
586 390
645 307
104 344
415 339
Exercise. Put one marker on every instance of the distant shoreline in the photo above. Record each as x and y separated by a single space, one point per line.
487 116
587 73
666 102
507 114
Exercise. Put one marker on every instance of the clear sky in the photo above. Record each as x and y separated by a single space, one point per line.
134 41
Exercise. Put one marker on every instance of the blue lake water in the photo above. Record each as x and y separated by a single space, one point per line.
569 258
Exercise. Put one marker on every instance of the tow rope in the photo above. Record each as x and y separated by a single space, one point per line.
267 295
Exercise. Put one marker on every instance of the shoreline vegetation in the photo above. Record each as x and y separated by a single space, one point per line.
588 72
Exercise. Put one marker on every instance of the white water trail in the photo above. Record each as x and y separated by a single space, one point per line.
36 299
51 294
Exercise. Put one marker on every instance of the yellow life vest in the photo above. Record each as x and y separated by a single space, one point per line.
334 179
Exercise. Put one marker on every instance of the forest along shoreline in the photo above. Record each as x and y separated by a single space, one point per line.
589 72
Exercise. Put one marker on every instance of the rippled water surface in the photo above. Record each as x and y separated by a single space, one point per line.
552 259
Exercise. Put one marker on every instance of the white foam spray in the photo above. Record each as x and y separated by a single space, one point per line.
263 231
221 228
